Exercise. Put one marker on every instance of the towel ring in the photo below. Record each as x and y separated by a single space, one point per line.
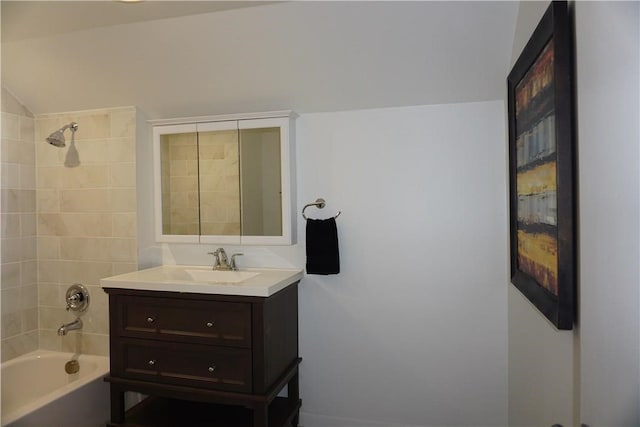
319 203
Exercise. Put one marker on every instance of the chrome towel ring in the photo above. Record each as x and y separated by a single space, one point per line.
319 203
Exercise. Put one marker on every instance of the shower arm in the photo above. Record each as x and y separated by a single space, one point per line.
73 126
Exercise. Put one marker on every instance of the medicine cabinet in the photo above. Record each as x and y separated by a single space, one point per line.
224 179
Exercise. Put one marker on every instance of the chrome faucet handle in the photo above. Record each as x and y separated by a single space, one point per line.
232 264
222 257
77 298
216 261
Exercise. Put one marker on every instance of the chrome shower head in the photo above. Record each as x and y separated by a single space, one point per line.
57 138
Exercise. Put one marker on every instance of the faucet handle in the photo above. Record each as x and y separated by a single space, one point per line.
216 260
77 298
232 264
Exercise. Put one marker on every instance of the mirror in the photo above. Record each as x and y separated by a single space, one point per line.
223 182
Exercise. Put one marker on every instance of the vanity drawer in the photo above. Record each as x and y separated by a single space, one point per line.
205 322
212 367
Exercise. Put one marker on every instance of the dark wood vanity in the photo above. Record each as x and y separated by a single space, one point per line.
204 359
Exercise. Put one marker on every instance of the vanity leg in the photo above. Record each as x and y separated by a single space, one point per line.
261 416
117 405
293 387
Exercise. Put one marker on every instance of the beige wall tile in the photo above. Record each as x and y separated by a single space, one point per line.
124 225
28 272
10 126
48 247
11 324
10 151
10 175
19 284
10 300
10 202
28 246
92 151
50 295
123 175
27 153
93 176
27 177
88 273
123 267
49 340
10 225
123 250
75 224
27 200
94 200
10 275
53 317
121 150
123 200
87 343
85 226
48 177
49 271
123 123
28 224
27 129
91 125
96 318
45 125
19 345
30 319
98 249
48 200
48 155
11 249
29 296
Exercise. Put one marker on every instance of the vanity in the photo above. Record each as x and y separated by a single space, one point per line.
212 348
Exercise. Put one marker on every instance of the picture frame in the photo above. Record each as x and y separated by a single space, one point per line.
542 162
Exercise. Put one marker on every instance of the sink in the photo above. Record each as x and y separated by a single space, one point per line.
220 276
199 279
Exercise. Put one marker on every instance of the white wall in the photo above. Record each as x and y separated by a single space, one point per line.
608 66
413 329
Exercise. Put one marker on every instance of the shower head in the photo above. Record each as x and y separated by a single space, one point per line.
57 138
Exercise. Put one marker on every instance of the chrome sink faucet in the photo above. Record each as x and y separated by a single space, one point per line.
222 262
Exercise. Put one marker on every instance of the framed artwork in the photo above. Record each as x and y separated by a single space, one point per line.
541 169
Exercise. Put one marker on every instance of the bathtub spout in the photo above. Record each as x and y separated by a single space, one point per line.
76 324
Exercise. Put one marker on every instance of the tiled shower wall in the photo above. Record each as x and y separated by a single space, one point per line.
86 219
18 217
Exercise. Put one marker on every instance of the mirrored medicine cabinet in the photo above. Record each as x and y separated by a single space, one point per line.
224 179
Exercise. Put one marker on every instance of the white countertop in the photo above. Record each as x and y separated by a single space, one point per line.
174 278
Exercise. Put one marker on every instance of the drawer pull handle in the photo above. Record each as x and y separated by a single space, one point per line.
212 369
151 362
209 324
150 319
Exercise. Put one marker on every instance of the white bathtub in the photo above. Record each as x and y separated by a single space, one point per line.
37 392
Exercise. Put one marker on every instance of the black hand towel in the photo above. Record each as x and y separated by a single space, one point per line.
322 246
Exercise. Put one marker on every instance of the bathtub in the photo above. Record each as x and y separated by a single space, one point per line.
37 392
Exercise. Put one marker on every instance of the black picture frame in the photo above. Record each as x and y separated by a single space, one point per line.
542 169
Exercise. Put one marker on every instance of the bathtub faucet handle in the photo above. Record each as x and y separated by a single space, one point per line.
77 297
73 300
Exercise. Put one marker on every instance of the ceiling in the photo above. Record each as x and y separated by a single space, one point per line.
175 59
28 19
